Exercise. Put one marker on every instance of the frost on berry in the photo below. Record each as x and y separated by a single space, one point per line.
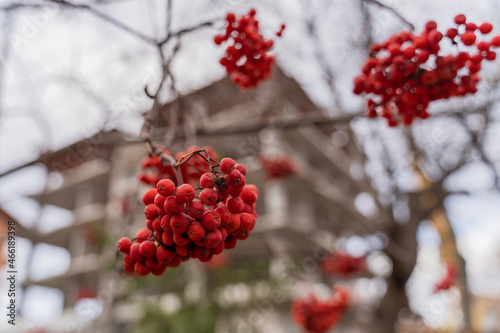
246 57
404 74
198 219
124 245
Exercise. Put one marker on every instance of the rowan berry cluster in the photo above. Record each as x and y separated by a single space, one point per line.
184 222
319 316
154 170
246 56
448 280
278 167
407 72
338 263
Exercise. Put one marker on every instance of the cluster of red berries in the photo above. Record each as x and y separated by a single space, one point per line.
319 316
181 224
246 55
448 280
154 170
278 167
407 72
338 263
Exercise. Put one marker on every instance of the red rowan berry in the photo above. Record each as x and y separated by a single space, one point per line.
152 263
430 25
181 239
202 251
230 242
134 253
151 211
128 263
495 41
219 248
435 36
483 46
207 180
223 232
185 193
452 33
159 271
167 238
460 19
173 206
157 225
468 38
208 197
249 194
164 255
142 235
212 239
149 225
486 28
175 262
280 32
149 196
165 223
180 223
242 235
211 220
241 168
195 209
223 213
147 249
234 205
196 231
141 269
470 27
227 165
160 201
234 222
247 222
181 250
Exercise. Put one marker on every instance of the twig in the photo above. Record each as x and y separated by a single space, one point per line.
108 19
185 31
169 17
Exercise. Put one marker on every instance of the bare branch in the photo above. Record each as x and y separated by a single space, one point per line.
185 31
108 19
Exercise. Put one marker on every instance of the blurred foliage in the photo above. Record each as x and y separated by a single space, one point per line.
200 319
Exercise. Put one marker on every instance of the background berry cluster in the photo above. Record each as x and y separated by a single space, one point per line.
407 71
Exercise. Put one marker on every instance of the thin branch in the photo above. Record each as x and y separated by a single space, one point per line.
169 17
106 18
185 31
255 127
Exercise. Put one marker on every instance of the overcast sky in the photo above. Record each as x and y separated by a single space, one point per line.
67 74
